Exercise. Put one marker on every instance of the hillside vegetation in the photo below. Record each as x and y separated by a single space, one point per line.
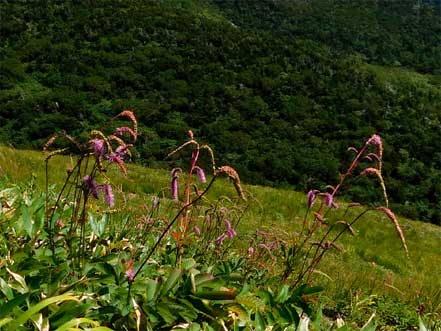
279 88
368 274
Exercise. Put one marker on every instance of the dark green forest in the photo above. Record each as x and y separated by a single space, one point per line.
278 88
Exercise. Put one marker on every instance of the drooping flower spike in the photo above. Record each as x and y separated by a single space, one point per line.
311 196
98 147
174 183
120 131
329 199
91 186
109 198
231 233
201 174
376 140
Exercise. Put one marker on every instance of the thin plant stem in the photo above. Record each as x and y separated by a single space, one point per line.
184 208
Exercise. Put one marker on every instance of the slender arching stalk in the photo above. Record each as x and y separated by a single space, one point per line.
184 208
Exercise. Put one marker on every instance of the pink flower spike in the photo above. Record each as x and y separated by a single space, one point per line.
120 131
109 198
201 174
174 187
92 186
98 147
312 195
123 150
376 140
196 230
60 223
329 199
175 172
128 113
130 274
230 231
220 239
368 171
115 158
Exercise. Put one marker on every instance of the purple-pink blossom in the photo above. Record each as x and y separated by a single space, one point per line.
196 230
312 195
376 140
60 223
109 198
122 150
329 199
220 239
98 147
230 231
174 183
91 186
116 158
122 130
174 188
201 174
130 274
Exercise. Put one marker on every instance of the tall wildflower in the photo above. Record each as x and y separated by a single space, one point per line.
394 220
174 183
98 147
329 199
120 131
231 233
201 174
219 241
130 274
376 140
311 196
91 186
109 198
116 158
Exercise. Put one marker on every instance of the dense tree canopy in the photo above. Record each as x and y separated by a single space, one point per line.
278 88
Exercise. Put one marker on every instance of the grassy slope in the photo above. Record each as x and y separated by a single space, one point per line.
372 263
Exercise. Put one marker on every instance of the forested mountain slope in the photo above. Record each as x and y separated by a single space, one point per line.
278 88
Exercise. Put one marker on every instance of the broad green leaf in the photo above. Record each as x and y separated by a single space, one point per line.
312 290
23 287
98 226
6 289
216 295
171 281
283 294
259 321
39 306
75 323
9 306
67 311
165 313
188 263
26 222
5 321
152 289
422 327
